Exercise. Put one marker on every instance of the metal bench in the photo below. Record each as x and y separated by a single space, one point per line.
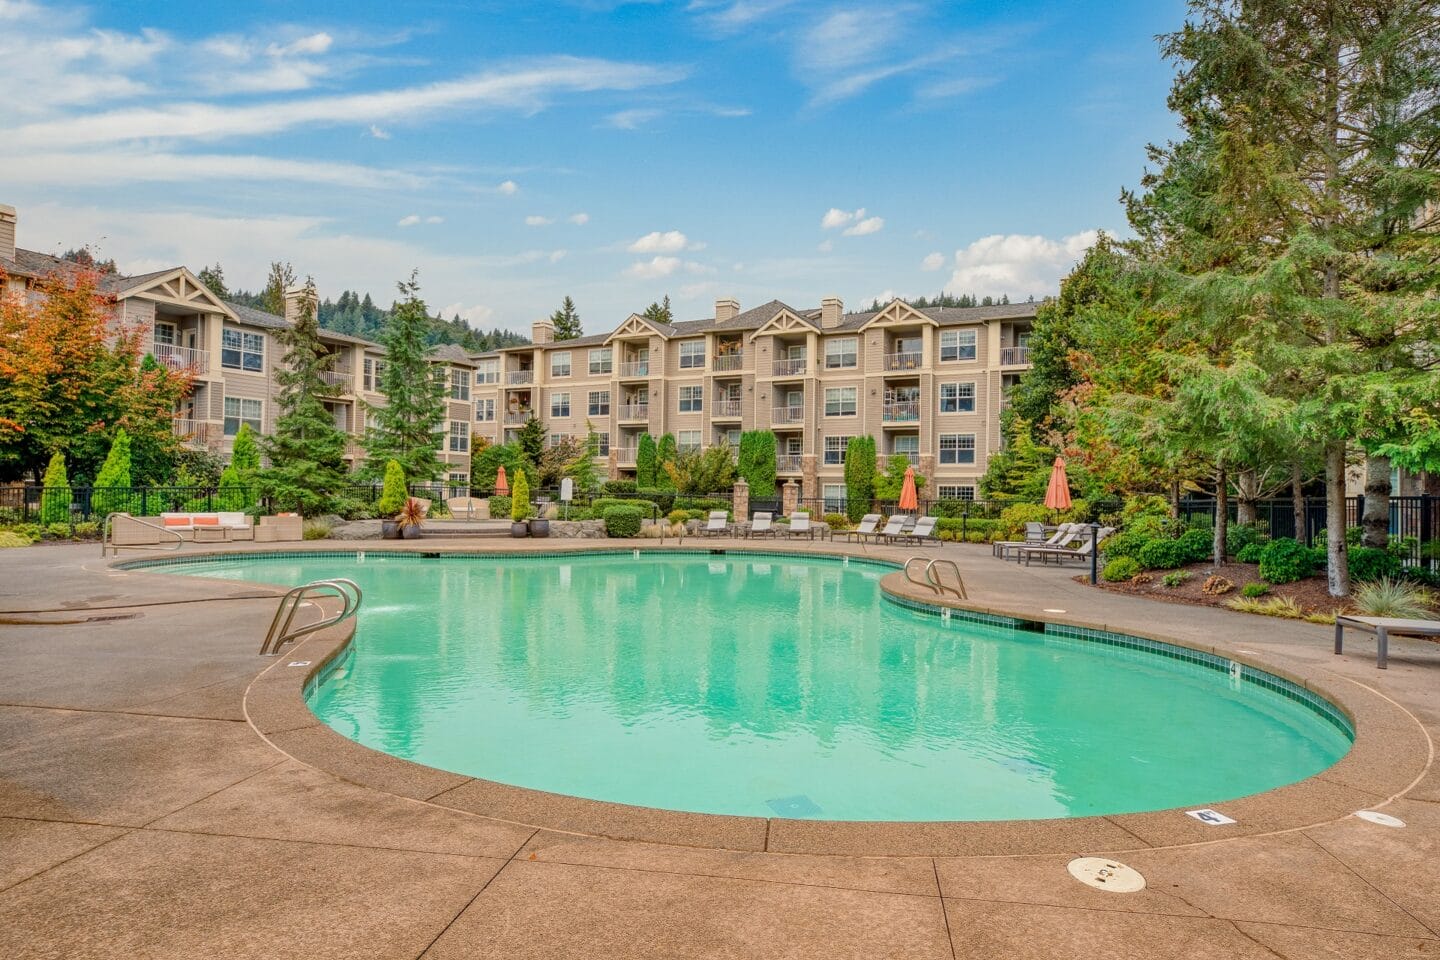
1384 628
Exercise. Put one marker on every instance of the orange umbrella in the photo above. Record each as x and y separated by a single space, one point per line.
909 499
1057 495
502 486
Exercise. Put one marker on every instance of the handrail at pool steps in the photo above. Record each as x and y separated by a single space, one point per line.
930 579
107 533
282 630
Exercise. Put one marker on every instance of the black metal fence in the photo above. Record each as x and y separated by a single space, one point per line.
1414 521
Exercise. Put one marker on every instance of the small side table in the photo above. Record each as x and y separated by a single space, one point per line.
212 534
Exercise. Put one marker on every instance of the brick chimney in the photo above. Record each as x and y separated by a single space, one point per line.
831 310
727 309
542 331
295 299
7 232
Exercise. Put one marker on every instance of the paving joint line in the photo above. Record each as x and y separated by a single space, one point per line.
318 843
187 806
118 713
471 902
1366 880
944 911
88 850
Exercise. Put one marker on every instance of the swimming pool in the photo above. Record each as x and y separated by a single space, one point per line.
770 685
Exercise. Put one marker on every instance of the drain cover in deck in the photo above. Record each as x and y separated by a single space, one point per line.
1105 874
796 806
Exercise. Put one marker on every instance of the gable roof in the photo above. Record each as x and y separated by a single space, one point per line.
33 263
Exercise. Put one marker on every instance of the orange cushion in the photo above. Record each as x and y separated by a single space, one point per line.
175 521
206 521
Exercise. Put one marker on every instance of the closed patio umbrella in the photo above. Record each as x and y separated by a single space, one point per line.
909 499
1057 495
502 486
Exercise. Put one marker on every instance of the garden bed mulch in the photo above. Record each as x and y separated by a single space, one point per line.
1312 593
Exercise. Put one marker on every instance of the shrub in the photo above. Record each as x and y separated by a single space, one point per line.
57 531
1163 555
1217 586
837 521
499 507
1250 553
1238 536
1285 607
317 529
112 482
647 508
677 516
1320 558
55 497
520 508
1253 590
612 488
622 520
393 493
702 504
87 530
1014 517
1174 578
1199 544
1371 563
9 539
1120 569
1285 561
1392 598
1127 543
860 470
974 536
1424 576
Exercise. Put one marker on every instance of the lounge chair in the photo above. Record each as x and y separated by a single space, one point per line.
866 530
800 526
922 533
761 526
1063 554
1065 534
894 528
1384 628
718 525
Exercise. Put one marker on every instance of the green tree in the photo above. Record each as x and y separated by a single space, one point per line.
757 462
889 483
646 465
112 483
700 472
531 440
659 312
232 492
566 321
245 452
485 465
665 452
520 498
214 279
404 427
395 491
582 469
861 465
55 497
281 279
1020 471
307 450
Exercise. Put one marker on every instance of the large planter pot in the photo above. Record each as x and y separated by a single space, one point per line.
389 530
539 528
411 532
519 528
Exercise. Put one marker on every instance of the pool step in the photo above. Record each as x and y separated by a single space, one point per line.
437 529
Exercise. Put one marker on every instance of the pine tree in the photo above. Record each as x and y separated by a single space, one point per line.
282 278
404 429
758 465
307 450
582 469
666 451
531 440
566 321
645 463
55 502
214 279
112 483
659 312
860 469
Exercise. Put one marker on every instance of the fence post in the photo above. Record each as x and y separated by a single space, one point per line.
144 501
1427 504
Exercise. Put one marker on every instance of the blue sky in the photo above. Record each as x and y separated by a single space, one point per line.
615 152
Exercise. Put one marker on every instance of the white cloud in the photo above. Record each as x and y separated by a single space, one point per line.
835 217
509 188
476 315
825 246
1017 265
538 221
737 15
409 220
865 227
127 165
378 133
434 219
633 119
671 241
557 255
579 219
314 43
933 261
656 267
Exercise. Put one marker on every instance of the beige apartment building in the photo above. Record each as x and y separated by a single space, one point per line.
927 384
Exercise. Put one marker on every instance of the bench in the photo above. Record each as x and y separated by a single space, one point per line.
468 508
1384 628
209 527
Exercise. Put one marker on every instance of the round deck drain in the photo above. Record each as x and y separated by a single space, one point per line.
1384 819
1105 874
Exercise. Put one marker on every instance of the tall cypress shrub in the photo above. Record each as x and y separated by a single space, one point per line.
860 470
55 498
645 465
762 466
665 452
112 483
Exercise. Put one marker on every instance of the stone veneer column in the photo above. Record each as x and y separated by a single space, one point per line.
740 500
789 497
809 476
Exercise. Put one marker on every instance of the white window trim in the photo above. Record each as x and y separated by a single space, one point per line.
940 343
957 384
855 400
835 341
973 448
554 400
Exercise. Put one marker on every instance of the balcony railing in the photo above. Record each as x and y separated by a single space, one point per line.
900 411
624 455
728 361
726 408
789 414
180 358
903 361
787 463
634 411
1014 356
790 367
520 378
198 431
339 377
516 417
635 368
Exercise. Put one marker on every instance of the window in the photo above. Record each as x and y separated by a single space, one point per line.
957 448
841 352
840 402
242 351
602 443
560 363
956 492
793 446
957 398
487 371
600 361
835 450
459 384
558 438
834 494
238 411
907 445
599 403
691 399
460 481
692 355
485 410
459 436
957 345
374 374
560 405
688 440
165 334
731 438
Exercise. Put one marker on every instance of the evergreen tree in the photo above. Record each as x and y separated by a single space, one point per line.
759 465
395 491
889 483
531 440
665 452
645 463
282 278
520 497
860 469
486 463
307 450
214 279
245 452
659 312
582 469
55 498
112 483
404 428
566 321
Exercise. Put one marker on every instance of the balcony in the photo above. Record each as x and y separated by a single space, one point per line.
342 377
728 361
180 358
519 378
788 414
790 367
515 418
1014 356
634 369
904 361
195 431
726 409
787 463
901 411
625 456
634 411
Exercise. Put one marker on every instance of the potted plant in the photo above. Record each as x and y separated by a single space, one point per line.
520 506
539 524
410 519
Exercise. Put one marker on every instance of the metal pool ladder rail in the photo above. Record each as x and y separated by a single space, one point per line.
281 630
930 576
107 536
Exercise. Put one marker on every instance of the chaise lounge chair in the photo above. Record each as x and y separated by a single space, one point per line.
1065 534
894 528
761 526
866 530
922 533
800 526
1063 554
718 525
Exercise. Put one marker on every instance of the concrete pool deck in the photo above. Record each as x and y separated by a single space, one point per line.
141 815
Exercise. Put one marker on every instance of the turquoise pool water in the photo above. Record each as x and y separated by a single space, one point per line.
778 686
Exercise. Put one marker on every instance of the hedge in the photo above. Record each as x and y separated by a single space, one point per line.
622 520
1285 561
1121 568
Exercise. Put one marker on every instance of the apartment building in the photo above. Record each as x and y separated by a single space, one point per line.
928 384
232 353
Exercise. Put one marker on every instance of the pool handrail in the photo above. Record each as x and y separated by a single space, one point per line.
107 530
281 632
931 579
